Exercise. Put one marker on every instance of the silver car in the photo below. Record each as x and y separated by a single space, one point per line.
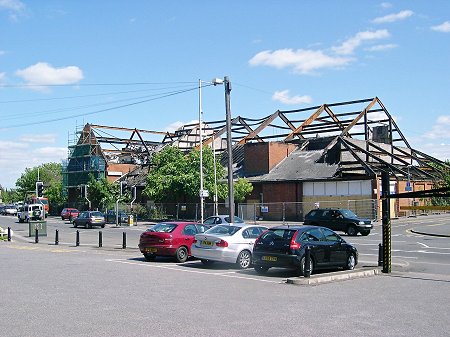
222 219
231 243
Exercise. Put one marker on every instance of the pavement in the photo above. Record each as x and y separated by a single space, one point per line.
440 230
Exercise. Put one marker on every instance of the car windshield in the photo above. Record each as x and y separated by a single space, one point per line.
348 213
163 228
236 219
96 214
223 230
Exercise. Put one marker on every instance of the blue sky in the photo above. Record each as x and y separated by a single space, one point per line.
67 63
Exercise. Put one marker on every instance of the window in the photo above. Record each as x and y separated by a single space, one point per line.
164 228
224 230
252 233
330 235
189 230
313 235
201 228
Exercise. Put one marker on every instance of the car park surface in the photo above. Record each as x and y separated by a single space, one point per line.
285 246
169 239
89 219
231 243
339 220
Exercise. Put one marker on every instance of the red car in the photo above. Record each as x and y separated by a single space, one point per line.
69 213
170 239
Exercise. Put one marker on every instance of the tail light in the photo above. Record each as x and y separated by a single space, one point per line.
221 243
194 241
294 245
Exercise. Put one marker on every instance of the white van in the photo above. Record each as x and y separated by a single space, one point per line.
31 212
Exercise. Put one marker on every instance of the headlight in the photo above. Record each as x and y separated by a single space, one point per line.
361 223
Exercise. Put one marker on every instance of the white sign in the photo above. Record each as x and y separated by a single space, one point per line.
204 193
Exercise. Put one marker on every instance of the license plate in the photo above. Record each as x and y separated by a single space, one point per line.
269 258
207 243
151 250
97 220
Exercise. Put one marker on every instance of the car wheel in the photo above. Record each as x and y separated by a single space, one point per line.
351 230
62 218
103 226
351 262
75 224
149 257
303 265
181 254
244 259
88 225
206 262
261 270
365 233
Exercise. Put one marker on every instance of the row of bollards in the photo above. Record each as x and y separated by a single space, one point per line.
77 238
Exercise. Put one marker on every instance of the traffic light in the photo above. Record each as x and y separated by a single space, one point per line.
123 187
39 188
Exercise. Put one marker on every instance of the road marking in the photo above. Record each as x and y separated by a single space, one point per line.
420 243
150 265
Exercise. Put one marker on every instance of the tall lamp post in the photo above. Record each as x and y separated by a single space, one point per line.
203 193
227 85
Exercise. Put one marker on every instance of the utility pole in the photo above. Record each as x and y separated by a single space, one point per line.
227 85
386 221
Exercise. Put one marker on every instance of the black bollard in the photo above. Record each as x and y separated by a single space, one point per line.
36 236
307 267
124 240
77 242
57 237
9 233
380 255
100 239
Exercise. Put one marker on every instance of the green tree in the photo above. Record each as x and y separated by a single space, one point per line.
444 181
101 192
50 174
176 176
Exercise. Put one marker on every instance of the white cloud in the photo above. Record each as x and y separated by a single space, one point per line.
386 5
443 28
283 97
394 17
178 124
302 61
348 46
12 5
382 47
42 74
39 138
440 128
15 157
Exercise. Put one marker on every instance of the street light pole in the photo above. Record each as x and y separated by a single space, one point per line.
200 135
227 85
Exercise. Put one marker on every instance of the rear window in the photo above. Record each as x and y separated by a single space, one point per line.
277 235
96 214
223 230
163 228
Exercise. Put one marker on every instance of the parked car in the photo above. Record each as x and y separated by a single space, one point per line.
221 219
9 210
169 239
231 243
285 246
69 214
339 220
111 216
89 219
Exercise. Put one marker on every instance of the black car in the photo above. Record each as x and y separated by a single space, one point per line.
285 246
339 220
111 217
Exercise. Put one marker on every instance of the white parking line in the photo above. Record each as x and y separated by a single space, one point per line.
150 265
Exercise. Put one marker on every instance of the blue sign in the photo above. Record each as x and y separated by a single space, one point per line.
408 187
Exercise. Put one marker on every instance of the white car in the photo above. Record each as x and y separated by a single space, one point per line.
231 243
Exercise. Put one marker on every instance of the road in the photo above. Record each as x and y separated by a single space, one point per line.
410 251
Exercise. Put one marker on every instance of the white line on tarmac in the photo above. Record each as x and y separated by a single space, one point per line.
189 271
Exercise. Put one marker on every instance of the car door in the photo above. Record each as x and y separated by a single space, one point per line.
314 239
188 234
335 250
328 219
